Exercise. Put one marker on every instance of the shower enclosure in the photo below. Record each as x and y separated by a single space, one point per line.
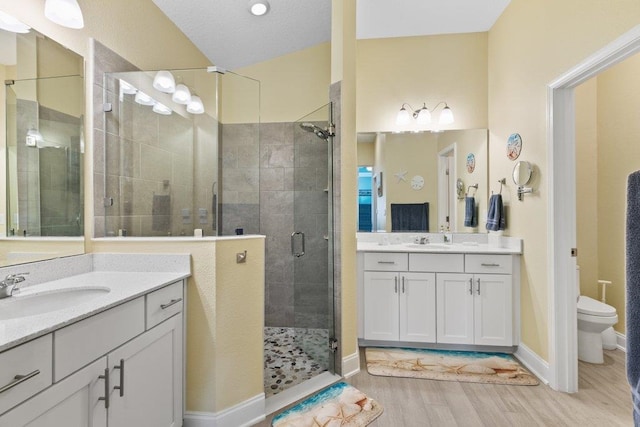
45 147
169 171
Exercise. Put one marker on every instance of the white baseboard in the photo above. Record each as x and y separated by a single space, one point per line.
351 365
537 365
621 341
246 413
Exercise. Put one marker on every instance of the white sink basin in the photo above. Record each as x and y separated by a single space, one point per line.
429 246
29 303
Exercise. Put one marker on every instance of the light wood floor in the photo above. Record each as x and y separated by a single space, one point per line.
603 400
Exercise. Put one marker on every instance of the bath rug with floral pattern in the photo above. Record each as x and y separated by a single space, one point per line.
339 405
446 365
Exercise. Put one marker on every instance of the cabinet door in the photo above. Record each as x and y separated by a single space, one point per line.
418 307
73 402
147 378
454 296
493 309
381 305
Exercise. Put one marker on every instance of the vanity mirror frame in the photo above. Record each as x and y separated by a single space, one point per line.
52 62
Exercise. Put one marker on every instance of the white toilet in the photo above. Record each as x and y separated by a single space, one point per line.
593 318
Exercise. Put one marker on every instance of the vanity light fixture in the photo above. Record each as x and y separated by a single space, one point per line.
127 88
182 95
162 109
9 23
195 106
259 7
164 82
423 115
64 12
144 99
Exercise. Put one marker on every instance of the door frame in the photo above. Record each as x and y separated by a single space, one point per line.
561 217
447 158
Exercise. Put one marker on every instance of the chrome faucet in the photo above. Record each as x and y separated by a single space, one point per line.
8 285
424 240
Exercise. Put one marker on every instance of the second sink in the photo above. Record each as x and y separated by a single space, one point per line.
30 303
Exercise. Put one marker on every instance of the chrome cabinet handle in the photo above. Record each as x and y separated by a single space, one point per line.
293 237
105 377
470 286
490 265
170 303
396 284
386 262
120 387
19 379
478 282
403 284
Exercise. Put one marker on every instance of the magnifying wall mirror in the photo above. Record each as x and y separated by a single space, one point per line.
522 172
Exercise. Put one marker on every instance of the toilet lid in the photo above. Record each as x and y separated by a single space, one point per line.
590 306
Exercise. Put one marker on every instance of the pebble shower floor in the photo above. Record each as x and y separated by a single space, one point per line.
292 356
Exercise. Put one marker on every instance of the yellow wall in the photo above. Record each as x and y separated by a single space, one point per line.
586 96
606 155
366 153
343 70
531 44
292 85
225 317
451 68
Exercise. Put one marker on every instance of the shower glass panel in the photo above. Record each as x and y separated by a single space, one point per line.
163 172
45 146
296 217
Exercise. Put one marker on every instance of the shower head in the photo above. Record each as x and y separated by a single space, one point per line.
320 133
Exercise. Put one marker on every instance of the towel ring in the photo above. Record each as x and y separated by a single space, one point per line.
470 187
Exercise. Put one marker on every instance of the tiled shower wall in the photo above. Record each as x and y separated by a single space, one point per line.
261 184
159 170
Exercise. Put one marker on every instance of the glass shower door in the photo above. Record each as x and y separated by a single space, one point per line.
312 244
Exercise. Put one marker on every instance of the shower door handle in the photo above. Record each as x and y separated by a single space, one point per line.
293 244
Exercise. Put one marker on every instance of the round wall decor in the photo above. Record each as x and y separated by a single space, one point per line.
471 162
514 146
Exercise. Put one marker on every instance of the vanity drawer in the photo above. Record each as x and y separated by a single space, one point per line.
497 264
32 360
83 342
385 261
437 263
164 303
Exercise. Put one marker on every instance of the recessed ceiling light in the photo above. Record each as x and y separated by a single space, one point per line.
258 7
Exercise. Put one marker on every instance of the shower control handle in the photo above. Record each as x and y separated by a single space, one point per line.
293 244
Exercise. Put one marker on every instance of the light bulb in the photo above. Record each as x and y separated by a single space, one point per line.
9 23
64 12
195 106
164 82
182 95
403 118
446 116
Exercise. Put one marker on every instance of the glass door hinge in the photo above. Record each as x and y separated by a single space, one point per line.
108 202
333 345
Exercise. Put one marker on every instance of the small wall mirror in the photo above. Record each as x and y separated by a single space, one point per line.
522 173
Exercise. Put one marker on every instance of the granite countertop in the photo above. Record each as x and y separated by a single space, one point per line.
124 286
446 248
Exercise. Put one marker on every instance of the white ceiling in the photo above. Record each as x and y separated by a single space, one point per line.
231 37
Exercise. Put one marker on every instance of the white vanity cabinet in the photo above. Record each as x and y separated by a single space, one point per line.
399 305
121 367
441 298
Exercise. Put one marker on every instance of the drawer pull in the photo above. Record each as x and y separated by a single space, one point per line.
120 387
19 379
470 286
105 377
490 265
387 262
403 284
478 281
170 303
396 286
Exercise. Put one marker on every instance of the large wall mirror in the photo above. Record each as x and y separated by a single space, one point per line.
434 171
43 139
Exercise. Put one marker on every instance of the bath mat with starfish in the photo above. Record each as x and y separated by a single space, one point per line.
445 365
338 405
